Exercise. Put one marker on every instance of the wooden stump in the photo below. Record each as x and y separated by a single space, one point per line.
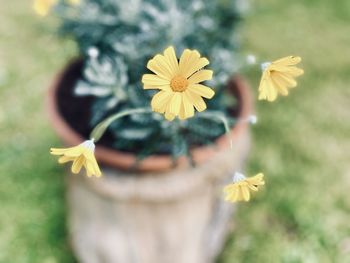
173 217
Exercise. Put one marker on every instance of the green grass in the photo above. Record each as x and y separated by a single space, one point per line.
301 142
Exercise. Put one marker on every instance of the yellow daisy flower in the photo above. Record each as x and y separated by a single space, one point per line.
43 7
278 76
81 155
239 189
178 82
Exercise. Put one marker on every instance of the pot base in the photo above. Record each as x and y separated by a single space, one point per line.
174 217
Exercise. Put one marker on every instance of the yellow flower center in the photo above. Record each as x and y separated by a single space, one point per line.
179 84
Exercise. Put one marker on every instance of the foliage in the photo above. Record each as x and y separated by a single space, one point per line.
117 38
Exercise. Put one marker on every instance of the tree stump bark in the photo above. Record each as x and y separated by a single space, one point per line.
172 217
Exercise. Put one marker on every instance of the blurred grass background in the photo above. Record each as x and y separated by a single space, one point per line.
301 142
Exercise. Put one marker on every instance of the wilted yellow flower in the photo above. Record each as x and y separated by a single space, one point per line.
81 156
239 189
178 82
43 7
278 76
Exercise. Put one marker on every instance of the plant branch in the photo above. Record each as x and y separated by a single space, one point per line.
101 128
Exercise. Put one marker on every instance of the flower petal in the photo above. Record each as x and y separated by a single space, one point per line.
253 187
200 76
182 113
235 195
292 71
94 168
245 193
75 151
196 100
171 58
90 170
175 103
160 67
195 66
283 81
202 90
78 164
163 62
232 193
152 81
185 59
59 151
287 61
169 116
239 194
280 86
65 159
266 89
188 109
228 188
160 100
256 180
232 196
88 154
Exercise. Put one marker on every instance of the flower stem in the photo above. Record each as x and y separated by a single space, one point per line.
219 116
101 128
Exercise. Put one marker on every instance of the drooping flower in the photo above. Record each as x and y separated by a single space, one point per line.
238 190
43 7
178 82
81 156
278 76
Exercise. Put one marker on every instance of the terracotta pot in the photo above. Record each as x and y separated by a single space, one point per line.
154 163
167 215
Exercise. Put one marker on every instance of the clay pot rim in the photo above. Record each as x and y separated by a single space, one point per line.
154 163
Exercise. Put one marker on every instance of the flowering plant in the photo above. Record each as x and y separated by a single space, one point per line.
119 39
